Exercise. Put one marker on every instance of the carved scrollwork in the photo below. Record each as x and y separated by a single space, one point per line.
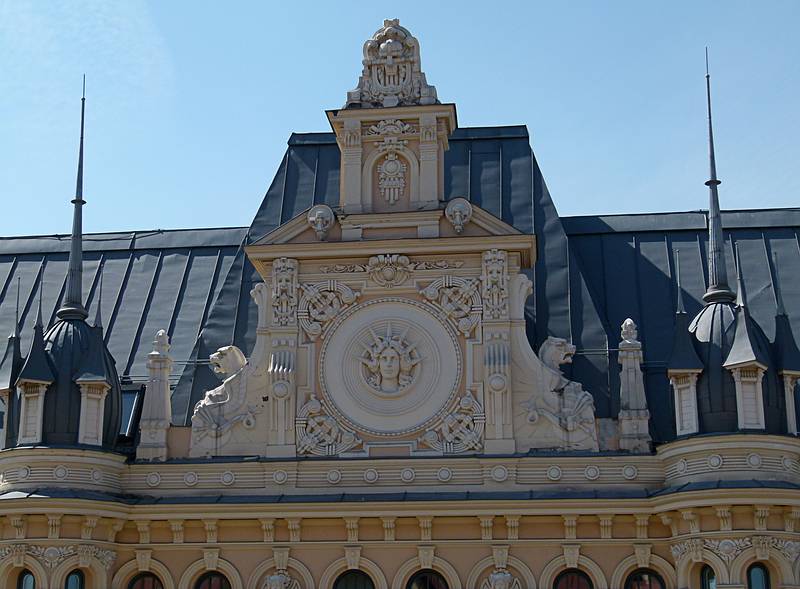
389 270
413 265
390 127
458 298
691 548
281 580
320 303
52 556
729 548
320 434
501 579
461 430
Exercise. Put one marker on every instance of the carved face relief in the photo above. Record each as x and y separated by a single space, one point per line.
390 363
389 366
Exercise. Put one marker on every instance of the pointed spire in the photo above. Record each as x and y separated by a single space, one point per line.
780 309
37 367
73 304
98 318
718 290
11 362
39 322
745 348
741 296
681 307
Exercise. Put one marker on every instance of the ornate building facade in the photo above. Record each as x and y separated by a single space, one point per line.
408 372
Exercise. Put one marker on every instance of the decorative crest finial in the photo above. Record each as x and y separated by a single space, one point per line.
73 304
718 290
392 74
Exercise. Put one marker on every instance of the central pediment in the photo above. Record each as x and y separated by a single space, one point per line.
458 228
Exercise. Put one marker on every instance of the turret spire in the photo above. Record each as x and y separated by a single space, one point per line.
681 307
15 333
73 305
718 290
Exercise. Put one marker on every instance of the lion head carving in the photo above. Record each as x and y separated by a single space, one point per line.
556 351
227 360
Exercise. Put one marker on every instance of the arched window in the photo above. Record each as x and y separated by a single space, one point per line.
145 581
213 580
708 578
75 580
644 579
758 577
353 579
26 580
426 579
573 579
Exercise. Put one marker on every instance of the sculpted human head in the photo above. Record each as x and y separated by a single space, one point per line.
389 368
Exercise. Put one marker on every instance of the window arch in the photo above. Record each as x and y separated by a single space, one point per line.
573 579
426 579
708 578
145 581
26 580
213 580
758 577
354 579
75 580
644 579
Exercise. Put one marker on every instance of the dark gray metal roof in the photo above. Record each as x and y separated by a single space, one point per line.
592 273
151 280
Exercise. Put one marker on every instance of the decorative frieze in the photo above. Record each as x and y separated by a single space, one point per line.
388 270
729 548
52 556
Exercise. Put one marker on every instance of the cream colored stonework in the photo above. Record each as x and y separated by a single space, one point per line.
393 416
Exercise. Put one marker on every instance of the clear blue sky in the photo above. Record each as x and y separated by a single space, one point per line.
189 104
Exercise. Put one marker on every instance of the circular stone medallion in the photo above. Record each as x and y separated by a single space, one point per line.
389 367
